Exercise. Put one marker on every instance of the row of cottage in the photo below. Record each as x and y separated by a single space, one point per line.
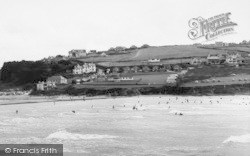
228 58
55 81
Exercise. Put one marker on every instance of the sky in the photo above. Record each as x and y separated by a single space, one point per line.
35 29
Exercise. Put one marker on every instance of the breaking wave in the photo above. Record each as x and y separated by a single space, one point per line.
238 139
24 120
64 135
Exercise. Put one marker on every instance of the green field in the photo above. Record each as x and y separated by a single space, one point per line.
164 52
245 48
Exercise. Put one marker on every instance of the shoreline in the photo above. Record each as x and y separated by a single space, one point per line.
43 99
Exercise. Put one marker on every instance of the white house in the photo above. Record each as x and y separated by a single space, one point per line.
126 78
85 68
172 78
232 58
196 61
40 86
45 85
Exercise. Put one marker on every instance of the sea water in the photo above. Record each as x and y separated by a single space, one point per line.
209 125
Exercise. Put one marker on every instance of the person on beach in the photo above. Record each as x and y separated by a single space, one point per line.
73 111
16 111
113 107
134 107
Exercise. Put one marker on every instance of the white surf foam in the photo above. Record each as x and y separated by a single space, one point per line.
138 117
238 139
64 135
24 120
4 123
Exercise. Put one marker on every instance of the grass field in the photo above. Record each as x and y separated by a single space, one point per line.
167 52
237 48
164 52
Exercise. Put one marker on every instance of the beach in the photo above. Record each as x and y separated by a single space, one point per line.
161 125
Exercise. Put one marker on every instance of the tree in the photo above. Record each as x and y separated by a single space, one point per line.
145 69
133 47
120 48
145 46
111 49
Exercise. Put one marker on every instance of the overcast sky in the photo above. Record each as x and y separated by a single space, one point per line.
34 29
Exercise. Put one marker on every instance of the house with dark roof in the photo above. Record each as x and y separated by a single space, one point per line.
57 79
214 59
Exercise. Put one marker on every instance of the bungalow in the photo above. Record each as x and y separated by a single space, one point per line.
92 51
85 79
104 54
126 69
100 72
101 78
155 68
134 69
176 68
219 44
113 78
126 78
115 70
57 80
154 60
196 61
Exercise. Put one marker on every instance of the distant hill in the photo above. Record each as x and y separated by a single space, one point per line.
168 52
238 48
162 52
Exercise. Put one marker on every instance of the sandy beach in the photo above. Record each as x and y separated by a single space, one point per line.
209 125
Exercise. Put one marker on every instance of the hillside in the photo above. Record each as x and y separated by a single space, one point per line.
163 52
238 48
167 52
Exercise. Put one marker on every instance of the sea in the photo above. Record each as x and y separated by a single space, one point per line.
155 125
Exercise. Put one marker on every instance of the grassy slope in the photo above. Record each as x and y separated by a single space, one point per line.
237 48
164 52
167 52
